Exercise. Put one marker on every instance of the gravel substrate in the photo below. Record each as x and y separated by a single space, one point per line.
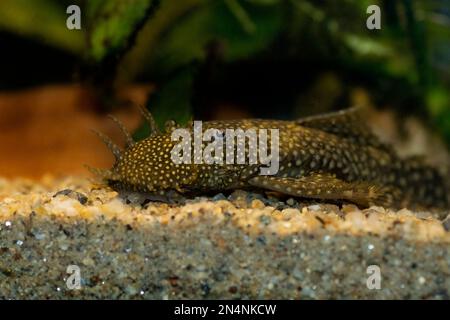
237 246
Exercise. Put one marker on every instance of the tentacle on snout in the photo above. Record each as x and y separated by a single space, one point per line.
103 173
150 120
110 144
128 139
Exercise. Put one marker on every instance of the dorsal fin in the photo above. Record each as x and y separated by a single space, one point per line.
346 123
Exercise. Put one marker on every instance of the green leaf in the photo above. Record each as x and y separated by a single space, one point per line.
172 101
242 28
114 23
44 20
438 103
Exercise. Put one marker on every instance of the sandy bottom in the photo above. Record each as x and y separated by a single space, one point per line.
243 245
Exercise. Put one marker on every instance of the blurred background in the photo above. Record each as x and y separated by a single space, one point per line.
216 59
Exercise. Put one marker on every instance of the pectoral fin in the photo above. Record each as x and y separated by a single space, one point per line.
326 186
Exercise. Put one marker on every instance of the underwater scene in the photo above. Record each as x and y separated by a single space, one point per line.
259 150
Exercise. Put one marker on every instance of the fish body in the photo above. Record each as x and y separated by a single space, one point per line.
328 157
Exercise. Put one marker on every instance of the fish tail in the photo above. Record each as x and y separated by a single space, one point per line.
423 185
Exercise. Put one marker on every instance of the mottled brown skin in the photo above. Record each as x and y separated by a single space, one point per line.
326 157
